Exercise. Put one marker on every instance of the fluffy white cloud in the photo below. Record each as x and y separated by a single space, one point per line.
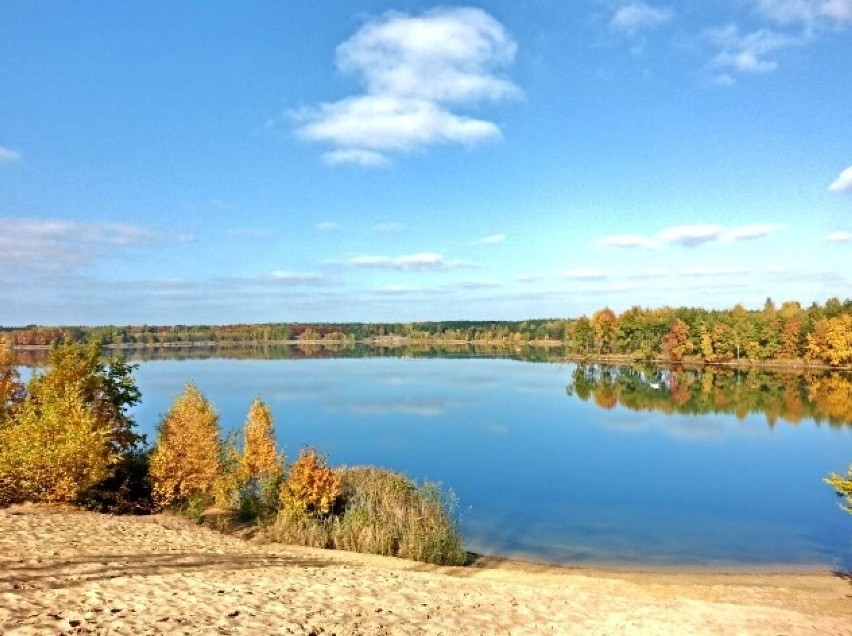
327 226
365 158
751 232
53 244
748 52
296 278
9 156
807 12
714 271
638 16
839 237
414 70
421 261
628 241
493 239
651 272
691 235
843 182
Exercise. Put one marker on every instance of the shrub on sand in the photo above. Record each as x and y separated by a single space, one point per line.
380 512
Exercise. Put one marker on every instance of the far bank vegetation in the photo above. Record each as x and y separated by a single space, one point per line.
789 334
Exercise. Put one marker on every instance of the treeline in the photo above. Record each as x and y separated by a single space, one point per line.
819 334
790 333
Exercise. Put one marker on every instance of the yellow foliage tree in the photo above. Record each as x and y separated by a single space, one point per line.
312 488
260 458
186 459
54 448
831 340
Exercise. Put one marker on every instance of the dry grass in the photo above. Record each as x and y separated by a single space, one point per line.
380 512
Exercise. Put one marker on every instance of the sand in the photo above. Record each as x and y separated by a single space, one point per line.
64 571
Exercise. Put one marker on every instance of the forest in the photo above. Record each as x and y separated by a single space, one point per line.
820 334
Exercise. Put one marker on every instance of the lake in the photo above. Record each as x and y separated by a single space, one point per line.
568 464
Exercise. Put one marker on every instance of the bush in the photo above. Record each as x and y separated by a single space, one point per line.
843 487
185 462
312 488
380 512
126 491
67 431
54 448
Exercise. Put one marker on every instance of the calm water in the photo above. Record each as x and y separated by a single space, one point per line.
546 463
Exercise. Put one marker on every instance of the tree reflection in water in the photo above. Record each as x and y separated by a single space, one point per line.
791 397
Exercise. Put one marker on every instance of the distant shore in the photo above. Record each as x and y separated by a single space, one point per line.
67 571
385 342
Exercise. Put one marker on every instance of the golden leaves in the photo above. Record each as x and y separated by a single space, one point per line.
312 488
186 459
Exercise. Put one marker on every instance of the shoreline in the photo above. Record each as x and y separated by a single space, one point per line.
65 570
797 366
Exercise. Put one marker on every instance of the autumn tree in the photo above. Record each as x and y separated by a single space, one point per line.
831 340
676 343
260 457
55 447
186 459
107 390
69 429
605 327
312 488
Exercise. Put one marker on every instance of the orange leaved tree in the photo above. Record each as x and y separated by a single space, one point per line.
312 488
186 459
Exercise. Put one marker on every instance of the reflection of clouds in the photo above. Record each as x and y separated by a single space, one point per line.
705 428
432 407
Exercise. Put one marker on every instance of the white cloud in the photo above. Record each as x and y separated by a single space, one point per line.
417 262
327 226
651 272
584 273
8 155
839 237
713 271
748 52
475 284
394 290
691 235
638 16
806 12
54 244
843 182
628 241
414 70
365 158
750 232
295 278
493 239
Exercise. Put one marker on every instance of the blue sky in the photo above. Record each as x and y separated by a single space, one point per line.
220 162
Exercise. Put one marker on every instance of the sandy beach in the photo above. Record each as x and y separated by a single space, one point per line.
64 571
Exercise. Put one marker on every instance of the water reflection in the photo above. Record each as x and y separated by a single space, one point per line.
791 397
